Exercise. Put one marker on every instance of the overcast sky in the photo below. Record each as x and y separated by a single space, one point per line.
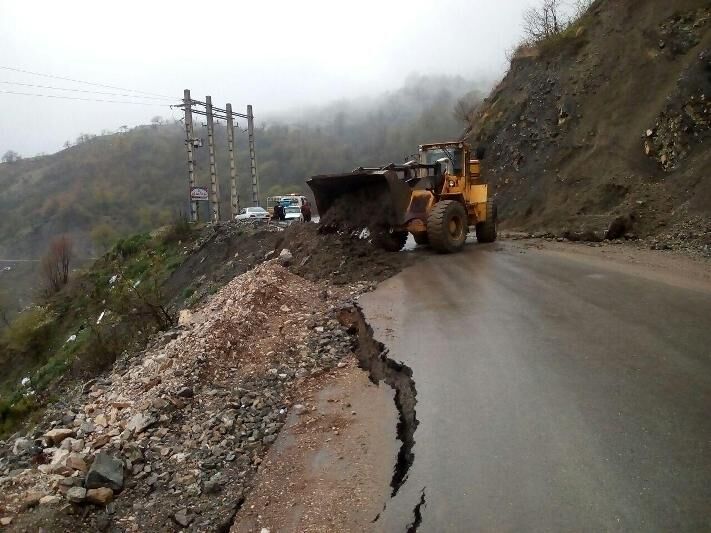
277 55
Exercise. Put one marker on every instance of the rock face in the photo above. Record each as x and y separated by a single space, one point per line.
565 143
106 471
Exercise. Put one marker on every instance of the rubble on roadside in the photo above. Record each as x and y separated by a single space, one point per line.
172 436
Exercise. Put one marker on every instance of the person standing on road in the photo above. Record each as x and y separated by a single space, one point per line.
306 212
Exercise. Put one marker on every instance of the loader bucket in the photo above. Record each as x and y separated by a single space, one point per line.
380 197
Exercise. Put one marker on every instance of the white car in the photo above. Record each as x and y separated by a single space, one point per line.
292 213
249 213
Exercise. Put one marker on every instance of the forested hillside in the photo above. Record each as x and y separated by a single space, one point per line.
109 185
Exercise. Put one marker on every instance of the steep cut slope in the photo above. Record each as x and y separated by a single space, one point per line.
611 118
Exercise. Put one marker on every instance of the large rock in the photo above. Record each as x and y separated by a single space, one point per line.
140 422
50 499
182 518
57 435
76 461
22 445
100 496
106 471
285 257
76 494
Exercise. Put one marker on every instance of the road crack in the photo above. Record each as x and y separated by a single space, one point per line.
373 358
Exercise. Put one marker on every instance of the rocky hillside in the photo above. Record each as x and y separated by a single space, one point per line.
611 118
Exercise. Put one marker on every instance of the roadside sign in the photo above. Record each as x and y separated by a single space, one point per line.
198 194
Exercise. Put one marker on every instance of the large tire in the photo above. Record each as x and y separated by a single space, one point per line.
391 241
447 226
486 231
421 238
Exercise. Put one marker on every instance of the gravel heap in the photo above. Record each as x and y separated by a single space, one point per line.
172 437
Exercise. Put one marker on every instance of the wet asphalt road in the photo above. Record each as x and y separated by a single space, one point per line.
553 394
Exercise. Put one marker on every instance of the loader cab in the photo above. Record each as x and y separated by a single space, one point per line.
451 156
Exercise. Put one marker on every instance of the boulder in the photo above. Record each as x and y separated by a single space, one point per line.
285 257
76 461
76 494
57 435
100 496
182 518
22 445
185 392
31 499
50 499
140 422
106 471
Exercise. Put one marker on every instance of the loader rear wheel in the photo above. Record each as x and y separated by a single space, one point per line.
391 241
486 231
447 226
421 238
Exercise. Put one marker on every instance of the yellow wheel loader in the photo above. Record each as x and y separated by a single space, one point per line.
436 199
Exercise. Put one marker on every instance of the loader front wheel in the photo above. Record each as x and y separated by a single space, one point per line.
486 231
391 241
447 226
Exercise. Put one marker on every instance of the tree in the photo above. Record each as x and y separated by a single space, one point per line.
4 309
11 157
54 266
103 236
157 120
466 107
540 23
551 18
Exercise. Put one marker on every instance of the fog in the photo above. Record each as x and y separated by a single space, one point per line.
279 56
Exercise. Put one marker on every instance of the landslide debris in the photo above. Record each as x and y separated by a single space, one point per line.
608 120
172 436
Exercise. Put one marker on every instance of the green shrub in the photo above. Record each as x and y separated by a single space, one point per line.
132 245
179 229
30 331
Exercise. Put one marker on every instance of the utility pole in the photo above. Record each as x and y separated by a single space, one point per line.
234 193
189 139
214 193
252 156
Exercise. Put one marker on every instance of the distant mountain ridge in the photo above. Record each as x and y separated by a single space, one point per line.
119 183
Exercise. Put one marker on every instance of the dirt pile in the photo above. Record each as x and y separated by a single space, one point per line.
319 252
341 256
367 206
172 436
608 120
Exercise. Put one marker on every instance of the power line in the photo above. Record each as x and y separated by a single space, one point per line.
86 91
84 99
80 81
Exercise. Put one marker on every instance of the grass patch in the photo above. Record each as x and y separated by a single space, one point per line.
112 307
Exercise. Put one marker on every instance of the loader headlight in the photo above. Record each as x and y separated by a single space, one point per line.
451 184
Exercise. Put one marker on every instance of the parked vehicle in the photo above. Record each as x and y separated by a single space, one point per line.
292 213
249 213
